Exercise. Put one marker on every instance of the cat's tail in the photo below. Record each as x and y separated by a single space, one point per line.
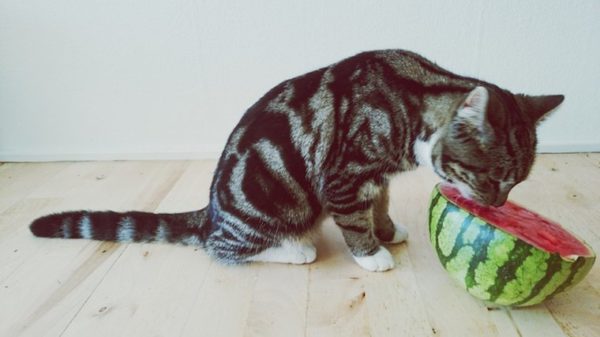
190 228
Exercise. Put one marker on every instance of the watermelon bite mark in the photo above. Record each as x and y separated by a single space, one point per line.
523 224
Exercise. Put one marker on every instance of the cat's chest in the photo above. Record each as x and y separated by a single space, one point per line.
423 149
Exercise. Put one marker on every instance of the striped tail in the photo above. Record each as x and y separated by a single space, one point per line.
190 228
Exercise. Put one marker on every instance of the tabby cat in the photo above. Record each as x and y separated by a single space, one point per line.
327 142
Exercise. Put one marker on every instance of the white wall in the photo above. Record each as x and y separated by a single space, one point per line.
123 79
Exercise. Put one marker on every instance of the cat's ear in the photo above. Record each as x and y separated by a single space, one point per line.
539 106
477 100
473 112
473 109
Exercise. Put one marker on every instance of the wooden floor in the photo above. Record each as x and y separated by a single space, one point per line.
52 287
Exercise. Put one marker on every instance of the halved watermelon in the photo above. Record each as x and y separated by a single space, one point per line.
504 255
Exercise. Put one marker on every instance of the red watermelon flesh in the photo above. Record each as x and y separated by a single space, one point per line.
523 224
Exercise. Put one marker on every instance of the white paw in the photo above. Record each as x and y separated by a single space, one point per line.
305 253
400 234
289 252
380 261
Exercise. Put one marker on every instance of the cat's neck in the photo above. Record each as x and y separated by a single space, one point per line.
437 113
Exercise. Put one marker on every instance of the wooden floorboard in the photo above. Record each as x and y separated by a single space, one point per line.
86 288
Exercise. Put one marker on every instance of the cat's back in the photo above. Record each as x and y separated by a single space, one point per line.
410 66
296 110
299 92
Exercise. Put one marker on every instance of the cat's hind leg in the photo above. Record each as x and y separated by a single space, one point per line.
230 247
289 251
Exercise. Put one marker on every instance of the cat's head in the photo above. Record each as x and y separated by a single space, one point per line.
489 146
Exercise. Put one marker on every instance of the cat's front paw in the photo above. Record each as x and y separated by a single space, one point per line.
382 260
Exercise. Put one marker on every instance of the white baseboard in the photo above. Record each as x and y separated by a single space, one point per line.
214 154
568 148
50 157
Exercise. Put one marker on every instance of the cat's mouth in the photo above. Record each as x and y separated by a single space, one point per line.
466 191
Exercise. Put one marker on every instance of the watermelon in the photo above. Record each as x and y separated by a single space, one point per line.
506 256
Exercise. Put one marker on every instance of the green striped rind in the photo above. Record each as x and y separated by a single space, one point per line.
493 265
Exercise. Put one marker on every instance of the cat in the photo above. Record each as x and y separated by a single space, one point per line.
327 143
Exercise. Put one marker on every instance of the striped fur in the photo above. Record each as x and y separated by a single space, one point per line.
326 143
124 227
